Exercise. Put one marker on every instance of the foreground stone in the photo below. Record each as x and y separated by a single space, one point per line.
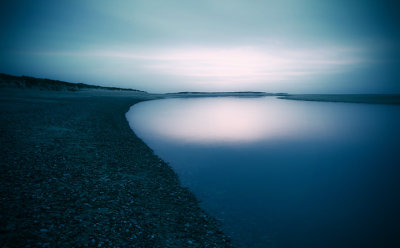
73 174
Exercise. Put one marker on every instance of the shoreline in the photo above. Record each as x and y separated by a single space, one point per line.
390 99
73 173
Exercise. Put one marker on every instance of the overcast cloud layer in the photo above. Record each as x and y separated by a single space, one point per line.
179 45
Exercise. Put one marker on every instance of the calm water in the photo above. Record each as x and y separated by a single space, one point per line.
280 173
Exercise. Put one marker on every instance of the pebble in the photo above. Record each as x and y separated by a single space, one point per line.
99 206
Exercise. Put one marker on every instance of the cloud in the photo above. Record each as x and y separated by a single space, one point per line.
227 67
250 63
204 45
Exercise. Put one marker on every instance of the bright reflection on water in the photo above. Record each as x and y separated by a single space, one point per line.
281 173
235 120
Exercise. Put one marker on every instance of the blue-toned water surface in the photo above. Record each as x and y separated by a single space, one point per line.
281 173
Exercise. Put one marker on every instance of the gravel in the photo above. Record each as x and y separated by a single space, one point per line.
73 174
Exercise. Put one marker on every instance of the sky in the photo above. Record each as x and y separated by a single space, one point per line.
295 46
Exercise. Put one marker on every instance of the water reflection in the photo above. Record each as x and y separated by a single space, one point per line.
229 119
281 173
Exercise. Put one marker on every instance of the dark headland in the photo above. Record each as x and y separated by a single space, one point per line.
73 174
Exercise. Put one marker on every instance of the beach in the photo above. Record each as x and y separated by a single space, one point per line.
73 174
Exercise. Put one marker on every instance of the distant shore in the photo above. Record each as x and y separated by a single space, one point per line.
393 99
24 82
73 174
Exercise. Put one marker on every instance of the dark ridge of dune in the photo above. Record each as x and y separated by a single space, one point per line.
24 82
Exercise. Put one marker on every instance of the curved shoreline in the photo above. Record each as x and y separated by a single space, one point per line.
73 173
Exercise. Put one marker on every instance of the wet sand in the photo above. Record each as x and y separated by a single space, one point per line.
73 174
